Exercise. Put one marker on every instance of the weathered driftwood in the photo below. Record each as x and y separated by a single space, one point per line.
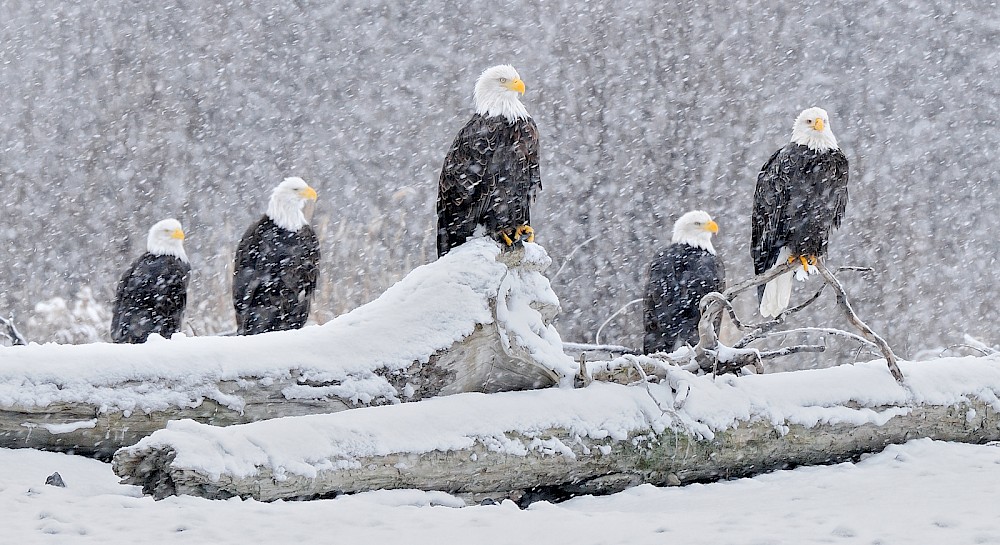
91 430
597 467
564 461
118 394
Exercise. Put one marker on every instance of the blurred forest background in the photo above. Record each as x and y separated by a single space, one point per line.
118 114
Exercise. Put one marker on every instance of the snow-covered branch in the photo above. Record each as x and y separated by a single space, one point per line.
10 331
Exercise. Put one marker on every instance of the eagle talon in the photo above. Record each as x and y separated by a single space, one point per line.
525 233
506 238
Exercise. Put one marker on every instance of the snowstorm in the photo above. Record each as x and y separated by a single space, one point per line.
118 115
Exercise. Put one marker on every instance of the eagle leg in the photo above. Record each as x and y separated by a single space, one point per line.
505 238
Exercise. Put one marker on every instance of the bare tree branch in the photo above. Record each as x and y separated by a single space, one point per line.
792 350
982 351
588 347
845 305
826 331
707 351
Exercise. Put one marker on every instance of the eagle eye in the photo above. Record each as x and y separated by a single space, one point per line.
503 80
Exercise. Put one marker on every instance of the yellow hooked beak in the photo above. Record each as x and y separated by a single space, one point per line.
515 85
178 234
818 124
712 226
308 193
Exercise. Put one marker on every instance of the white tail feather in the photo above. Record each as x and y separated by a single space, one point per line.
777 293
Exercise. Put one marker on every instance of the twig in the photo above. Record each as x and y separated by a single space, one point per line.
568 257
970 347
845 305
645 382
583 347
16 339
597 336
826 330
792 350
760 330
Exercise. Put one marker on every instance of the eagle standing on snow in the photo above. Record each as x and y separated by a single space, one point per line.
277 264
679 276
152 293
490 176
801 195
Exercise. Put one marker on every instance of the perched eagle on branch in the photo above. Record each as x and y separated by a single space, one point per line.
490 176
801 196
152 294
679 276
277 264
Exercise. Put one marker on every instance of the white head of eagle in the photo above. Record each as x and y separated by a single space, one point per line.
812 129
695 228
287 201
497 91
167 238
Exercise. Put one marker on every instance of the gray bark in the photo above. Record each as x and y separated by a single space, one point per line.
598 466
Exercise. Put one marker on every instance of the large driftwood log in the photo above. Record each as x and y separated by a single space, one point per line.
599 439
474 321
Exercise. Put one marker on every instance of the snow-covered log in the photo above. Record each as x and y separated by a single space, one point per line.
597 439
475 320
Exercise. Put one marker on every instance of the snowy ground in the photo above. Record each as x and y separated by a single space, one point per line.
921 492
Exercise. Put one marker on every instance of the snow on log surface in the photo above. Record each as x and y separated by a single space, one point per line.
598 439
440 330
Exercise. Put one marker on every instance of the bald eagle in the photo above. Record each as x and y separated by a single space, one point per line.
679 276
277 264
152 293
801 196
490 176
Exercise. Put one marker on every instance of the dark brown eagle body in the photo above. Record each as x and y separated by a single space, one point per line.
679 277
150 298
490 178
801 196
274 278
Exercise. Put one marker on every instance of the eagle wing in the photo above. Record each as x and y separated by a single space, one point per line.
768 218
151 297
838 185
245 281
460 187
